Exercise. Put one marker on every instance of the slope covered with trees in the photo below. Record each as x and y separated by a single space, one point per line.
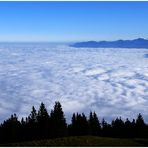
41 125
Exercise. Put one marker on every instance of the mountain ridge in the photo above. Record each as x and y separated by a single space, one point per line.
135 43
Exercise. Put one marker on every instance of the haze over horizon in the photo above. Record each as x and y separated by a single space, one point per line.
72 21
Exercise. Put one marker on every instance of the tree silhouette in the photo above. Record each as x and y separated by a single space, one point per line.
73 126
32 124
11 129
128 130
140 121
24 130
140 126
39 125
58 121
79 125
94 124
106 128
43 122
33 115
118 127
42 115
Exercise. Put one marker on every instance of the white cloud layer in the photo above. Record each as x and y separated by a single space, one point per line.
113 82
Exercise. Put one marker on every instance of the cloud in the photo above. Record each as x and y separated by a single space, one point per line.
113 82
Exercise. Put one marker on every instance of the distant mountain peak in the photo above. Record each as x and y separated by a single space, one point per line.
140 39
136 43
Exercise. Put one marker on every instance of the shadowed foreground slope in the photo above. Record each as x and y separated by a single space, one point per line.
83 141
43 129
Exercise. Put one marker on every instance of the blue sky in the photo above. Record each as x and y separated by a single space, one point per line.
72 21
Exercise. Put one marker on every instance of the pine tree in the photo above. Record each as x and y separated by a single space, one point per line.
140 121
79 125
42 115
84 124
58 121
129 128
23 122
72 126
24 130
11 129
94 124
43 122
140 126
118 127
106 128
31 127
33 115
73 119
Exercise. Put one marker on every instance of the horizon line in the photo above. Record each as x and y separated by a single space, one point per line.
68 41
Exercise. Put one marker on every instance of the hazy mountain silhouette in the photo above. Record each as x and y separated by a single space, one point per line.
136 43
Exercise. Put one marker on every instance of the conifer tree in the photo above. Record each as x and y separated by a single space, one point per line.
106 128
79 125
140 121
72 127
58 121
118 127
43 122
140 126
32 125
33 115
42 115
11 129
94 124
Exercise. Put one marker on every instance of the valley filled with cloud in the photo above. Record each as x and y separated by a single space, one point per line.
112 82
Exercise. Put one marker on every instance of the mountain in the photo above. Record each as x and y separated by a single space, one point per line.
136 43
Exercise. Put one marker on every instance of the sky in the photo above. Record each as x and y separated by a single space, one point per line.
72 21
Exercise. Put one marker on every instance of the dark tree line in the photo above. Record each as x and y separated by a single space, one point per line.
42 125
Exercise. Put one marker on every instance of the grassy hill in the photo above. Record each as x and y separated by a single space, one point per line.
83 141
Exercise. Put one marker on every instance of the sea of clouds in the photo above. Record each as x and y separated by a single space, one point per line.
112 82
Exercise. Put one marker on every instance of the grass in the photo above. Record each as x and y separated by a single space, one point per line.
85 141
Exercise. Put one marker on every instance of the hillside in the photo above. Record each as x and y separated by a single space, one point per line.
83 141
